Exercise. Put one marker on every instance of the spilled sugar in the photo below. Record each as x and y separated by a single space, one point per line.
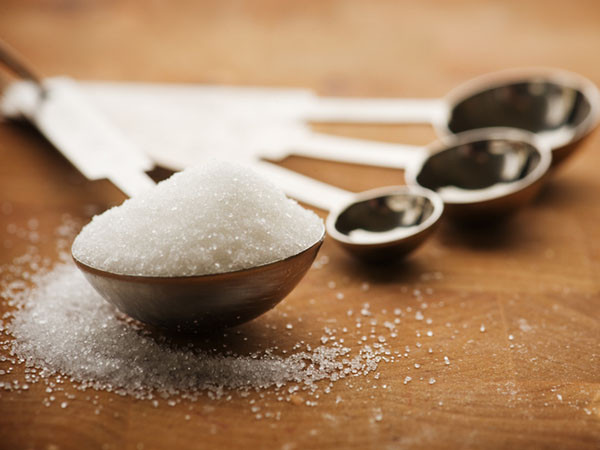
214 218
63 326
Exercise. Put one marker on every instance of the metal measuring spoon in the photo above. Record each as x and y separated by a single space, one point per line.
562 107
202 303
378 224
483 174
479 174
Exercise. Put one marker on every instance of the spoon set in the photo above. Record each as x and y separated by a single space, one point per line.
499 136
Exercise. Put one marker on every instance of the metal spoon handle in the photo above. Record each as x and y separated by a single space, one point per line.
357 151
301 187
17 64
370 110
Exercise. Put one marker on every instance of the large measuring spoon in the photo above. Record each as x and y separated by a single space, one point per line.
562 107
202 303
194 302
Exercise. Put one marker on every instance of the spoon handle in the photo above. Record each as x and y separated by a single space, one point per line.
375 110
301 187
81 133
17 64
357 151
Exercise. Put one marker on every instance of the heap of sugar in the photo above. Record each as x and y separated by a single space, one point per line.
214 218
64 326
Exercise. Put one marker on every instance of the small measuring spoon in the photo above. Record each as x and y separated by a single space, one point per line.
378 224
562 107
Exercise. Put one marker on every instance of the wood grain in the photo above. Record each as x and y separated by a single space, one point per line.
535 277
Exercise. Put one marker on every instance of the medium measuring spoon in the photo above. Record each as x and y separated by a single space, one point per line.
560 106
480 174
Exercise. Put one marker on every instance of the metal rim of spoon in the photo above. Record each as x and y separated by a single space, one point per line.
562 107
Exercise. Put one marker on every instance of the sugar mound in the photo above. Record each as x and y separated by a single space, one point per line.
214 218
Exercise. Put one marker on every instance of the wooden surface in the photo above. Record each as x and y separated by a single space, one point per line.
536 277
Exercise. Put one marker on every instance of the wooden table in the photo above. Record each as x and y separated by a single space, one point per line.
530 380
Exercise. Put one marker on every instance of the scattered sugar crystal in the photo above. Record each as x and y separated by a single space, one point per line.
432 381
62 326
524 326
482 328
339 295
407 380
378 415
217 217
419 315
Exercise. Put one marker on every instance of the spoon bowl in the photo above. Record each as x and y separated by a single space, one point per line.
378 224
483 174
559 106
203 303
385 223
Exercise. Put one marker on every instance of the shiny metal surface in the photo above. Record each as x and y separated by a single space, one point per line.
561 107
484 173
203 303
385 223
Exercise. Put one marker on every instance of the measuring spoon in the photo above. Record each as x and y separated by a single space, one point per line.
561 106
479 174
377 224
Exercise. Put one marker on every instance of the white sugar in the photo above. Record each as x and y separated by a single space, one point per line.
64 327
214 218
